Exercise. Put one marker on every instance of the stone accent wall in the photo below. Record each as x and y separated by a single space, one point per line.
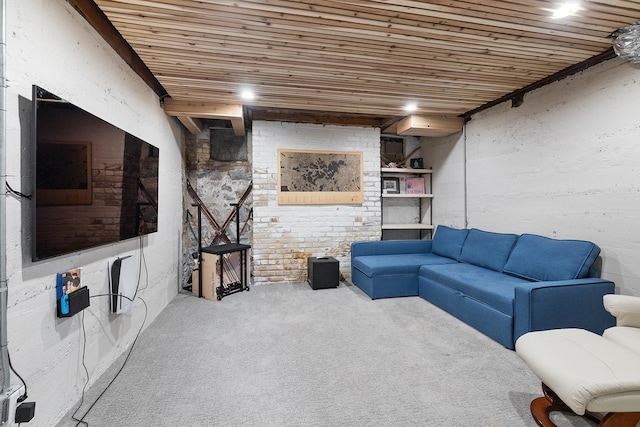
285 236
218 184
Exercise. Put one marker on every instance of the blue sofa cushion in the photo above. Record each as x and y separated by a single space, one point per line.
541 258
490 287
489 250
448 241
384 265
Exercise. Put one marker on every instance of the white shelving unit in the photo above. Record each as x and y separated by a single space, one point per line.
406 212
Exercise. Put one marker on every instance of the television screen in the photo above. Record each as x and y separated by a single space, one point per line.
94 183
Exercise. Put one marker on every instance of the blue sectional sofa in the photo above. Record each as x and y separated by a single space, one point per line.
504 285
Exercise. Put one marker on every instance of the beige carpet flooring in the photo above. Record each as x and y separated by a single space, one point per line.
286 355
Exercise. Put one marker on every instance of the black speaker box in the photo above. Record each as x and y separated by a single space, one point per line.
323 273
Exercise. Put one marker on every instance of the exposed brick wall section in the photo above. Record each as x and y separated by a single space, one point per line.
285 236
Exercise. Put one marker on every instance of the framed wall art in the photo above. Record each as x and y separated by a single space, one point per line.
313 177
390 185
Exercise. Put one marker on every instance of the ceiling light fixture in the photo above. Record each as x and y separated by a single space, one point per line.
626 42
410 108
247 94
565 9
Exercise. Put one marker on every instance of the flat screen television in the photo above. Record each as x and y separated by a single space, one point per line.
95 184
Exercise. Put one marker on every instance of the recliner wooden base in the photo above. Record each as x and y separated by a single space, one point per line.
542 407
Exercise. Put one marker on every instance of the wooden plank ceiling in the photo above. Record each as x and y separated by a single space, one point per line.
357 62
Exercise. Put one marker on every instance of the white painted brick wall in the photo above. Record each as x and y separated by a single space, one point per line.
50 45
564 164
284 236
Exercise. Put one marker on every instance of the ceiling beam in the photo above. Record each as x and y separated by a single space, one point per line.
238 126
315 117
204 110
434 126
517 96
193 125
99 21
390 126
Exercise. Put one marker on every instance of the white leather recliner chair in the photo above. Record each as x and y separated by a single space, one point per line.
591 375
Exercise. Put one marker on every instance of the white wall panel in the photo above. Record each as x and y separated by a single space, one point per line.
564 165
50 45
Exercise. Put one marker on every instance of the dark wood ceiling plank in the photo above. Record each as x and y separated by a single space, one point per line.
98 20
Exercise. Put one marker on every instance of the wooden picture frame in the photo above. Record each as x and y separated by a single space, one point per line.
390 185
64 173
316 177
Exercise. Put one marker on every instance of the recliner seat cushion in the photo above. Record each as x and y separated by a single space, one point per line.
486 249
626 336
487 286
541 258
447 241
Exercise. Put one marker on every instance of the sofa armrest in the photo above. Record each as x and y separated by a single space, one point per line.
625 308
575 303
387 247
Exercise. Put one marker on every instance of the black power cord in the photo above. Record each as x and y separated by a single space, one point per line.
16 193
84 345
84 342
86 371
24 396
142 262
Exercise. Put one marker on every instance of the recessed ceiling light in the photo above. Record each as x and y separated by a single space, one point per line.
409 108
247 94
565 9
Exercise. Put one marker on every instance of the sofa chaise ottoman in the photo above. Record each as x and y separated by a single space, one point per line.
504 285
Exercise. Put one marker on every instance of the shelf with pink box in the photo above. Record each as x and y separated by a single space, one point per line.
406 203
414 185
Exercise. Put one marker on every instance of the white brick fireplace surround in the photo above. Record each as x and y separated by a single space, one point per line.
284 236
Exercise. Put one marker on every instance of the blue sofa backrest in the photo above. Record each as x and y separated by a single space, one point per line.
528 256
486 249
541 258
448 242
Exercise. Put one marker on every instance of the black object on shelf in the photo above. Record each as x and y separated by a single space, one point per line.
416 163
323 273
